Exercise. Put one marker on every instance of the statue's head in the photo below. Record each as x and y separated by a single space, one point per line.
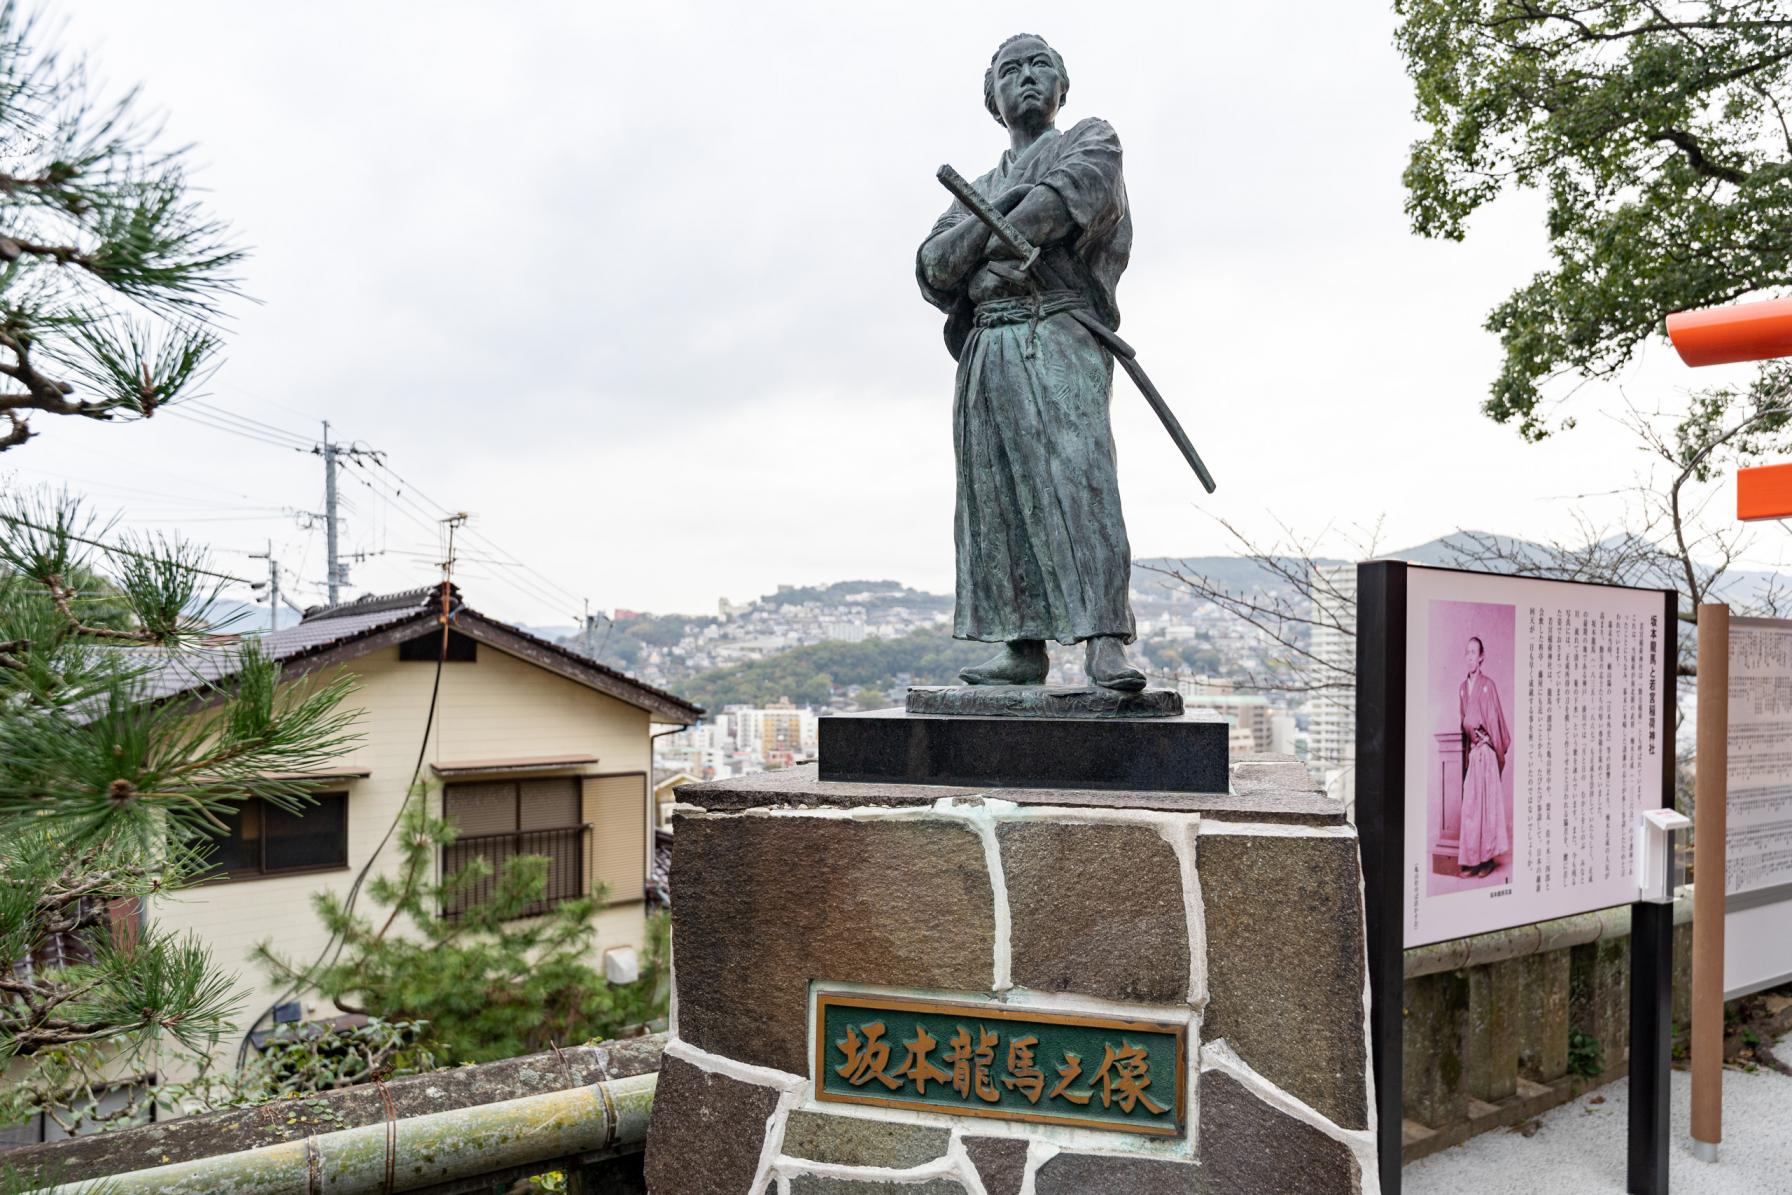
1026 81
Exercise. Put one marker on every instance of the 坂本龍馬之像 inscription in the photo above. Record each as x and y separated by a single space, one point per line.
969 1059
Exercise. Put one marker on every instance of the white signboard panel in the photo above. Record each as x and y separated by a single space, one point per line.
1537 715
1758 819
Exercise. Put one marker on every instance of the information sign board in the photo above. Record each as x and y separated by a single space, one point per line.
1758 838
1538 714
1511 732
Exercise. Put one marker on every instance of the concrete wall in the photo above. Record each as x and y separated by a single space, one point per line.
496 707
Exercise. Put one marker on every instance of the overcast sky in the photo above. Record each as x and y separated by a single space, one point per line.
633 284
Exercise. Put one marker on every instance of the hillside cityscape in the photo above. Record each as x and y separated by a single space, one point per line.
767 669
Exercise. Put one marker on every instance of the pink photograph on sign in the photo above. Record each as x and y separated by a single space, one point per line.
1471 674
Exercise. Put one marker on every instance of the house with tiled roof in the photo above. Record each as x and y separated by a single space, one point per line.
527 747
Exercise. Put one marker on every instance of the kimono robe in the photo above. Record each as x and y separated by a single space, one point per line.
1041 544
1485 832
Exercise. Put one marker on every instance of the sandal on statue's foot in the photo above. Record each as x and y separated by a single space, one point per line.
1020 662
1106 665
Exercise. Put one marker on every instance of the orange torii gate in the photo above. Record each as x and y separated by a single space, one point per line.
1758 331
1742 332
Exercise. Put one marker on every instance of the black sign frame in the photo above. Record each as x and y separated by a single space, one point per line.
1381 597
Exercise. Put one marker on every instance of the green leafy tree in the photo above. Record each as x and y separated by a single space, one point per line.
494 980
109 798
109 269
1660 134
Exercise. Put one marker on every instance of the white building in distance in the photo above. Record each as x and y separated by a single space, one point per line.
1331 713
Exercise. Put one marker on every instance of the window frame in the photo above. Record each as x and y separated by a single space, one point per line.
219 875
516 798
581 830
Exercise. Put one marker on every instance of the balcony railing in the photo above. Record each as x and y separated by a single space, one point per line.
565 848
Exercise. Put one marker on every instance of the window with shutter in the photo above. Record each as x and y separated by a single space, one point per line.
499 820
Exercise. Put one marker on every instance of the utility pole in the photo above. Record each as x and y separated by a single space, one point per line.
336 574
273 585
590 654
334 577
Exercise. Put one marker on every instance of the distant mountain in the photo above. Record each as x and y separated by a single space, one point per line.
873 595
1740 587
1236 573
244 618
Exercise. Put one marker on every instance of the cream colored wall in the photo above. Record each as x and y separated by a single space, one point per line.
496 707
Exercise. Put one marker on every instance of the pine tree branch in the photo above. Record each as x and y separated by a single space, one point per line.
61 595
12 248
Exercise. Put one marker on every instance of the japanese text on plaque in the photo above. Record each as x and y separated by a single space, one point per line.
989 1060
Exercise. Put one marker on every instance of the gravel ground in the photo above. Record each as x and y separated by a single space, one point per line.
1580 1147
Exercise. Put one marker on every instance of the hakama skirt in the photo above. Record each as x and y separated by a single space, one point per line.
1041 543
1485 833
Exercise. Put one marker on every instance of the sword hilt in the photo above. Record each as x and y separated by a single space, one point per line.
985 211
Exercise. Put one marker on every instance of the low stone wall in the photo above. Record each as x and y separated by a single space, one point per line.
1503 1027
1236 917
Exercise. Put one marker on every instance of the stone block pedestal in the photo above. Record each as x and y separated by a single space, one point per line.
1064 990
1183 752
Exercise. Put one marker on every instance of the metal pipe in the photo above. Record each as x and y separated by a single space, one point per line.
1539 938
405 1155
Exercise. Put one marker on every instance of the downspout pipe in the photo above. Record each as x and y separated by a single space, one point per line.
413 1153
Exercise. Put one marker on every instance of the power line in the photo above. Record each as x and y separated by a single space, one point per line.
462 557
394 488
189 518
114 548
396 501
198 410
409 508
238 417
488 541
91 483
244 433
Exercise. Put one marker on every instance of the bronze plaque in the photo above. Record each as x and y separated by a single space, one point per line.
975 1059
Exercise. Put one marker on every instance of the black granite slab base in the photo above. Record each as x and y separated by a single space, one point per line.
1043 701
1182 754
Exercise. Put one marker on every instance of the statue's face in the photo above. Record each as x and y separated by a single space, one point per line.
1028 86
